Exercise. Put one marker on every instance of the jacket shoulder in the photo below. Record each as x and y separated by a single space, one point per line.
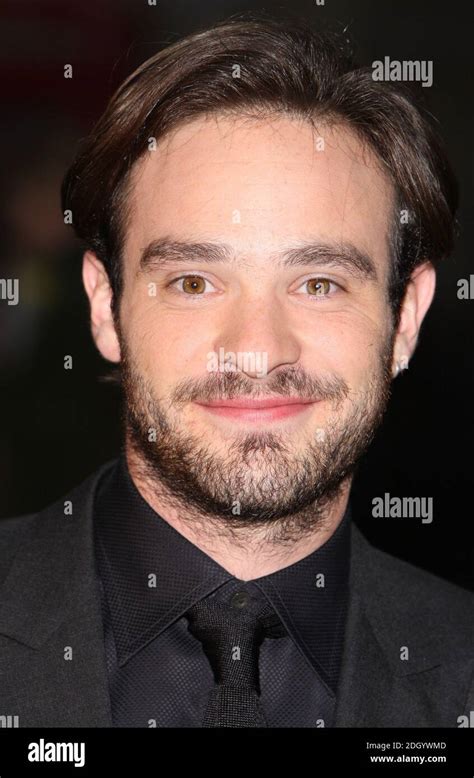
16 531
409 595
429 588
12 534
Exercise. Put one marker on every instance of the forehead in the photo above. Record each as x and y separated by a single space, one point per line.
259 184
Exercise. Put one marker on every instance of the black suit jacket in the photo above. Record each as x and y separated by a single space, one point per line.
52 658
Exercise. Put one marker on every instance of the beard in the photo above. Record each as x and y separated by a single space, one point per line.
258 479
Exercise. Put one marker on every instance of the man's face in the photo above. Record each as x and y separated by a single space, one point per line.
254 317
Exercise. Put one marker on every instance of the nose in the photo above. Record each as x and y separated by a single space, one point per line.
257 336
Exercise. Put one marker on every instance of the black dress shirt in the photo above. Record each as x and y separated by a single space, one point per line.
150 575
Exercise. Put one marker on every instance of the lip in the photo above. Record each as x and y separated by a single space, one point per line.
255 410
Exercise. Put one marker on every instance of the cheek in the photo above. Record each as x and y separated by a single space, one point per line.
346 344
167 345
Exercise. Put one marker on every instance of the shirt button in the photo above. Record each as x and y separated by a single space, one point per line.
240 600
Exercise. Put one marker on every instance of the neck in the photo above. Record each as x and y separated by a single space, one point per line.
246 552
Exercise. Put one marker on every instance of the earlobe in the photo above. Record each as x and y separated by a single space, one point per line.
98 289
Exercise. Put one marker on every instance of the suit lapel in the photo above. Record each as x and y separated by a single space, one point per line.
52 657
368 688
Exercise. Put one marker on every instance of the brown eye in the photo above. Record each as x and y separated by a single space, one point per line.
194 284
318 286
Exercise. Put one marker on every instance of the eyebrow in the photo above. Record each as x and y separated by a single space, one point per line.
158 254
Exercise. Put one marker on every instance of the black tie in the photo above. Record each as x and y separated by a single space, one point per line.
231 640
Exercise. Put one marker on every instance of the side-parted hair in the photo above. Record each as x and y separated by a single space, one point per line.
285 68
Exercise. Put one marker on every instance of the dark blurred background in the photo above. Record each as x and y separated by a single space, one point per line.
56 425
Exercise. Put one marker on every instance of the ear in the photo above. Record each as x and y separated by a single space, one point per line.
418 298
99 292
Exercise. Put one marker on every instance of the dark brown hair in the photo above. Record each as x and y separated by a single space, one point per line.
286 68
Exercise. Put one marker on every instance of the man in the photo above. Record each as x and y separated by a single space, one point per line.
262 223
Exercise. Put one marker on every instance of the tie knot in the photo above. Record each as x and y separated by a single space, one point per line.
231 639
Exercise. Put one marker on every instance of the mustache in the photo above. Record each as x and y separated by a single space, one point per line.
291 382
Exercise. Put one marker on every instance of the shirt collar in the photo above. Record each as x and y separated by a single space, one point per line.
151 575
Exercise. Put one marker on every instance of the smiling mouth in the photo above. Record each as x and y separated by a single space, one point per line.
255 410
